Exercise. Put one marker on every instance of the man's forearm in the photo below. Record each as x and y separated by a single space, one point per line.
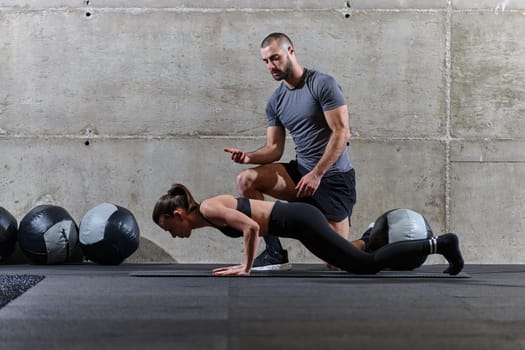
265 155
334 149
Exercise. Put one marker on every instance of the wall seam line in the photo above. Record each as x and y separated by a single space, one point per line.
448 103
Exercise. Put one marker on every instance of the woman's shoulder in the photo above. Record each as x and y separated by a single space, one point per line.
221 200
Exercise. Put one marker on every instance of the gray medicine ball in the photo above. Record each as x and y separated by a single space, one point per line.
400 225
108 234
48 235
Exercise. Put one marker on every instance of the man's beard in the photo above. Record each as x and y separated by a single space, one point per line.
283 74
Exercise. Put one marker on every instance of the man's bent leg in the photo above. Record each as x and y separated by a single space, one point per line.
273 180
270 179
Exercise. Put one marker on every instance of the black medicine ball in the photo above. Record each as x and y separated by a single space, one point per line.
8 231
108 234
399 225
48 235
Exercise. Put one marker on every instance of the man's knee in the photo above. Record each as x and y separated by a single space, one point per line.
269 179
246 181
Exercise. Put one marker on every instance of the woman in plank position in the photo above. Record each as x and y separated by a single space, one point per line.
178 213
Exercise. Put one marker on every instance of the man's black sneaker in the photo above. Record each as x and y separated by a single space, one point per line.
271 260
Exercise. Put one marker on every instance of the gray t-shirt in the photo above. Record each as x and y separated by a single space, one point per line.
300 111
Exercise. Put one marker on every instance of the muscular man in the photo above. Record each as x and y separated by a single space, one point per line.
312 107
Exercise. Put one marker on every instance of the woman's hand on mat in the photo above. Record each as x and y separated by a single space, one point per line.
236 270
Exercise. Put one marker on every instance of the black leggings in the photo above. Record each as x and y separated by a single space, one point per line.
307 224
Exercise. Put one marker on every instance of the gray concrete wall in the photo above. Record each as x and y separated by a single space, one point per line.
112 101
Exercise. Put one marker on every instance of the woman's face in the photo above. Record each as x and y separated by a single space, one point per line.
176 225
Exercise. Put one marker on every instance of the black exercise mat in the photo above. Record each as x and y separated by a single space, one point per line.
299 273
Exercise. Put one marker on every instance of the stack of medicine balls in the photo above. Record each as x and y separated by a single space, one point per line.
47 234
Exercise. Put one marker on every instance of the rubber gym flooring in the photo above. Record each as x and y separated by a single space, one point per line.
180 306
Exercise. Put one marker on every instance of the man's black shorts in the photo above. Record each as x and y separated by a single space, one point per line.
336 194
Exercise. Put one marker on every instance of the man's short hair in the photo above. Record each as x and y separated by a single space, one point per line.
280 37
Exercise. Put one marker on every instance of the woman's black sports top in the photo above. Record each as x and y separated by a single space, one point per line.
243 205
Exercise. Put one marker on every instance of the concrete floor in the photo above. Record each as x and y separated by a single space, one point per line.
105 307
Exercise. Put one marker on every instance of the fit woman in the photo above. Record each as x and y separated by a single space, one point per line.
178 213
